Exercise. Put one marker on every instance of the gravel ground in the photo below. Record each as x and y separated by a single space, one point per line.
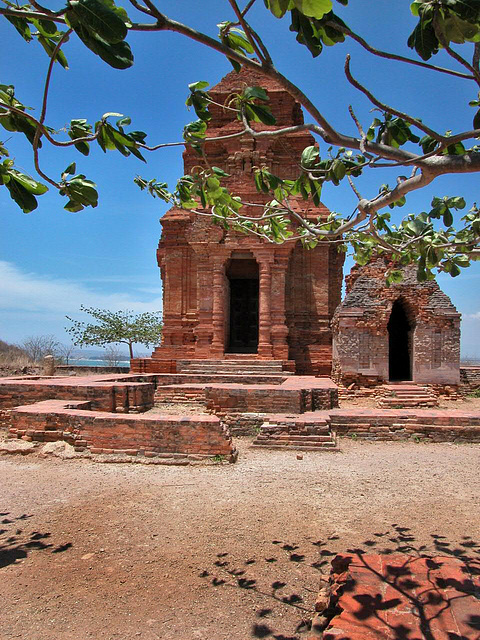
121 551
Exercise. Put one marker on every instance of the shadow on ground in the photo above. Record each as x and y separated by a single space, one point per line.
16 544
228 572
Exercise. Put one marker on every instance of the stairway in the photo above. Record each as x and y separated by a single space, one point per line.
180 394
306 432
243 367
405 396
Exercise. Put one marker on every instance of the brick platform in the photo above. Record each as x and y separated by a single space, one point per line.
369 424
99 432
117 393
399 597
403 424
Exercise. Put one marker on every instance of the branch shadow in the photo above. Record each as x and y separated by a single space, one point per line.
371 609
16 545
428 601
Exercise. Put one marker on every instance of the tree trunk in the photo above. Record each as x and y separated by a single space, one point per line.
130 348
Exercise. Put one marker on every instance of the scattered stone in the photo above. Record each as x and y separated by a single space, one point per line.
17 446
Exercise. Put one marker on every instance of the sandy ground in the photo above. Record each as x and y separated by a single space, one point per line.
118 551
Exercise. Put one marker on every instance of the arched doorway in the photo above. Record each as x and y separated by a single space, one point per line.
400 341
242 325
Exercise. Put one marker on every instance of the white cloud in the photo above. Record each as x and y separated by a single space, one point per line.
472 316
43 301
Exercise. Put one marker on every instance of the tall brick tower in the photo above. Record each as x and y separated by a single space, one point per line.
228 295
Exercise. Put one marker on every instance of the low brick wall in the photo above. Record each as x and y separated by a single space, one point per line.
108 433
218 378
470 377
405 424
296 394
82 370
180 393
221 399
106 393
244 424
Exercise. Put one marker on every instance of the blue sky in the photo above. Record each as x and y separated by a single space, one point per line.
51 261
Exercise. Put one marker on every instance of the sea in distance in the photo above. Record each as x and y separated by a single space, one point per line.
92 362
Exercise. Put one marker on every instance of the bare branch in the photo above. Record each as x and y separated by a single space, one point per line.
17 13
248 6
246 29
140 7
392 56
476 57
414 121
354 188
38 132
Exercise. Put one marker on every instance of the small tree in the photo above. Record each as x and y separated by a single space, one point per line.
65 351
112 356
37 347
118 327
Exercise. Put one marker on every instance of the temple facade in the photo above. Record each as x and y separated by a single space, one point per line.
408 331
227 293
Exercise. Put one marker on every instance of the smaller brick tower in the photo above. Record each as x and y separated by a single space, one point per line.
409 331
228 295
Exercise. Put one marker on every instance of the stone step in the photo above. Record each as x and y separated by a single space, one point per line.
295 438
246 366
325 446
406 396
280 429
236 372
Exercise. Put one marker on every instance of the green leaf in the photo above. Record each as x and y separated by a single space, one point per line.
21 25
82 193
220 172
198 86
313 8
117 55
99 19
279 7
447 217
309 157
70 170
394 276
255 92
49 46
416 226
28 183
338 169
424 40
476 120
25 200
262 114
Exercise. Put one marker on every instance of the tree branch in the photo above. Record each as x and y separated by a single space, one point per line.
247 30
392 56
18 13
453 54
384 107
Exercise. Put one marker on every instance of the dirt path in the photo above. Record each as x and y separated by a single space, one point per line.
215 553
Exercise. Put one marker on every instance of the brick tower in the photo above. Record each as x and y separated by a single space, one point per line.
228 295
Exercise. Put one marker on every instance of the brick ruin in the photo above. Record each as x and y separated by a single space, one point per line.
227 293
231 296
408 331
256 336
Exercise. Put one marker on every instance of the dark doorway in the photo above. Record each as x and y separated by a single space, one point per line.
399 344
243 326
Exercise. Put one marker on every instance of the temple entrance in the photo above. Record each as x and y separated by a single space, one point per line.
242 325
399 344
